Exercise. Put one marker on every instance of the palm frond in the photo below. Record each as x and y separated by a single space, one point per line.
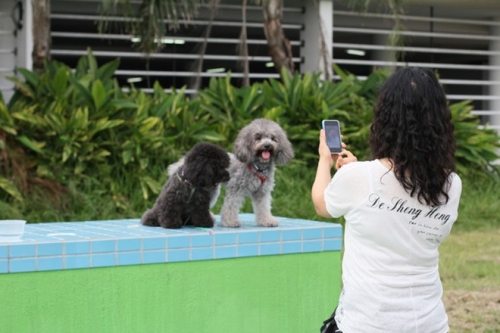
396 7
149 22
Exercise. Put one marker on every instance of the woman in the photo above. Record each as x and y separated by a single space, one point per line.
398 209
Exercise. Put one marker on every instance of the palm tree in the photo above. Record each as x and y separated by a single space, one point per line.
41 33
279 46
148 22
397 8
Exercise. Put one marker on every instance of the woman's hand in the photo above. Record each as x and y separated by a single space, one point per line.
323 176
338 160
344 158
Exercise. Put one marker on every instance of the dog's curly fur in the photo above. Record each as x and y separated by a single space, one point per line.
259 147
186 196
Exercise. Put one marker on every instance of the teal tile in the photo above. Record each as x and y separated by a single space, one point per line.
73 262
3 251
50 264
22 250
49 249
225 238
270 236
156 243
178 255
223 252
248 237
332 231
76 247
291 247
270 249
201 240
4 266
129 258
312 246
248 250
332 244
151 257
100 246
204 253
293 234
129 244
312 233
103 260
175 242
22 265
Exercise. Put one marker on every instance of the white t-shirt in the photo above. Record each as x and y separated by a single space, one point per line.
390 267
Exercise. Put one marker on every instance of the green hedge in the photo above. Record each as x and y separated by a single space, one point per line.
67 127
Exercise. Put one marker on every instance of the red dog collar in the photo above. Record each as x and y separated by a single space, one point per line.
261 177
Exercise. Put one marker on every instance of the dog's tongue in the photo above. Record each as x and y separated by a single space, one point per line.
266 155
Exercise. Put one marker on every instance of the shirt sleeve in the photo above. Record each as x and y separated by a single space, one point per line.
346 189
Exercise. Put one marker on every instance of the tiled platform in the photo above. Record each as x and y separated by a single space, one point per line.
71 245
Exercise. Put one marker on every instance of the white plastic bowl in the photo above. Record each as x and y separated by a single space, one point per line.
11 230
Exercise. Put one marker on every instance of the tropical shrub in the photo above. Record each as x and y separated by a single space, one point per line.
68 129
477 146
67 126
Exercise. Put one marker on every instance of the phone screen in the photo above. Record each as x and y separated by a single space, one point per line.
333 139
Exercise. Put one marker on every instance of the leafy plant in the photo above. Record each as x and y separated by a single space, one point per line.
477 146
230 108
69 129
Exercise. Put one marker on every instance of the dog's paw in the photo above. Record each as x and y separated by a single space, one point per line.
231 224
268 222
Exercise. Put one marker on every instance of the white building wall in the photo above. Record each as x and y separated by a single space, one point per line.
7 48
24 42
15 41
317 37
494 74
341 28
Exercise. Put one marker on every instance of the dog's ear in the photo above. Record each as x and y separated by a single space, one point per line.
284 153
241 147
206 177
199 172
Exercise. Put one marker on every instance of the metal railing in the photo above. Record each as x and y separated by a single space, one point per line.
463 58
69 43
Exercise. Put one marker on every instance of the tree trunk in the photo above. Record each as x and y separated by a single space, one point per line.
279 46
243 46
199 62
41 33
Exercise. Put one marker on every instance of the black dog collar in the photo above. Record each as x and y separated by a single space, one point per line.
188 184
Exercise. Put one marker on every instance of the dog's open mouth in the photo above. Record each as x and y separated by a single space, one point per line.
265 154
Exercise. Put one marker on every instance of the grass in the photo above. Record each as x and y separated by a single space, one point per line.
469 261
470 271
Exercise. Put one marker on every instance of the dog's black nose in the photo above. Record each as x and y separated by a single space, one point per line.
267 146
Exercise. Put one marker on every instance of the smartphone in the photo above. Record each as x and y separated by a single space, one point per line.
333 138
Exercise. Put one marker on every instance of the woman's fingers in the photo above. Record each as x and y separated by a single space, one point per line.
344 158
338 159
323 147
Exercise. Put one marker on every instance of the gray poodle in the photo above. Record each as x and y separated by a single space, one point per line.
259 147
190 190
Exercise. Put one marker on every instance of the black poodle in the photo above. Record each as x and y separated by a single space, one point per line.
185 198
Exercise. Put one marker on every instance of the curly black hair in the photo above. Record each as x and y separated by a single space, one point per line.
412 128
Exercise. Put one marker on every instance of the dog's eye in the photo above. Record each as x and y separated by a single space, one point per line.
274 138
258 136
